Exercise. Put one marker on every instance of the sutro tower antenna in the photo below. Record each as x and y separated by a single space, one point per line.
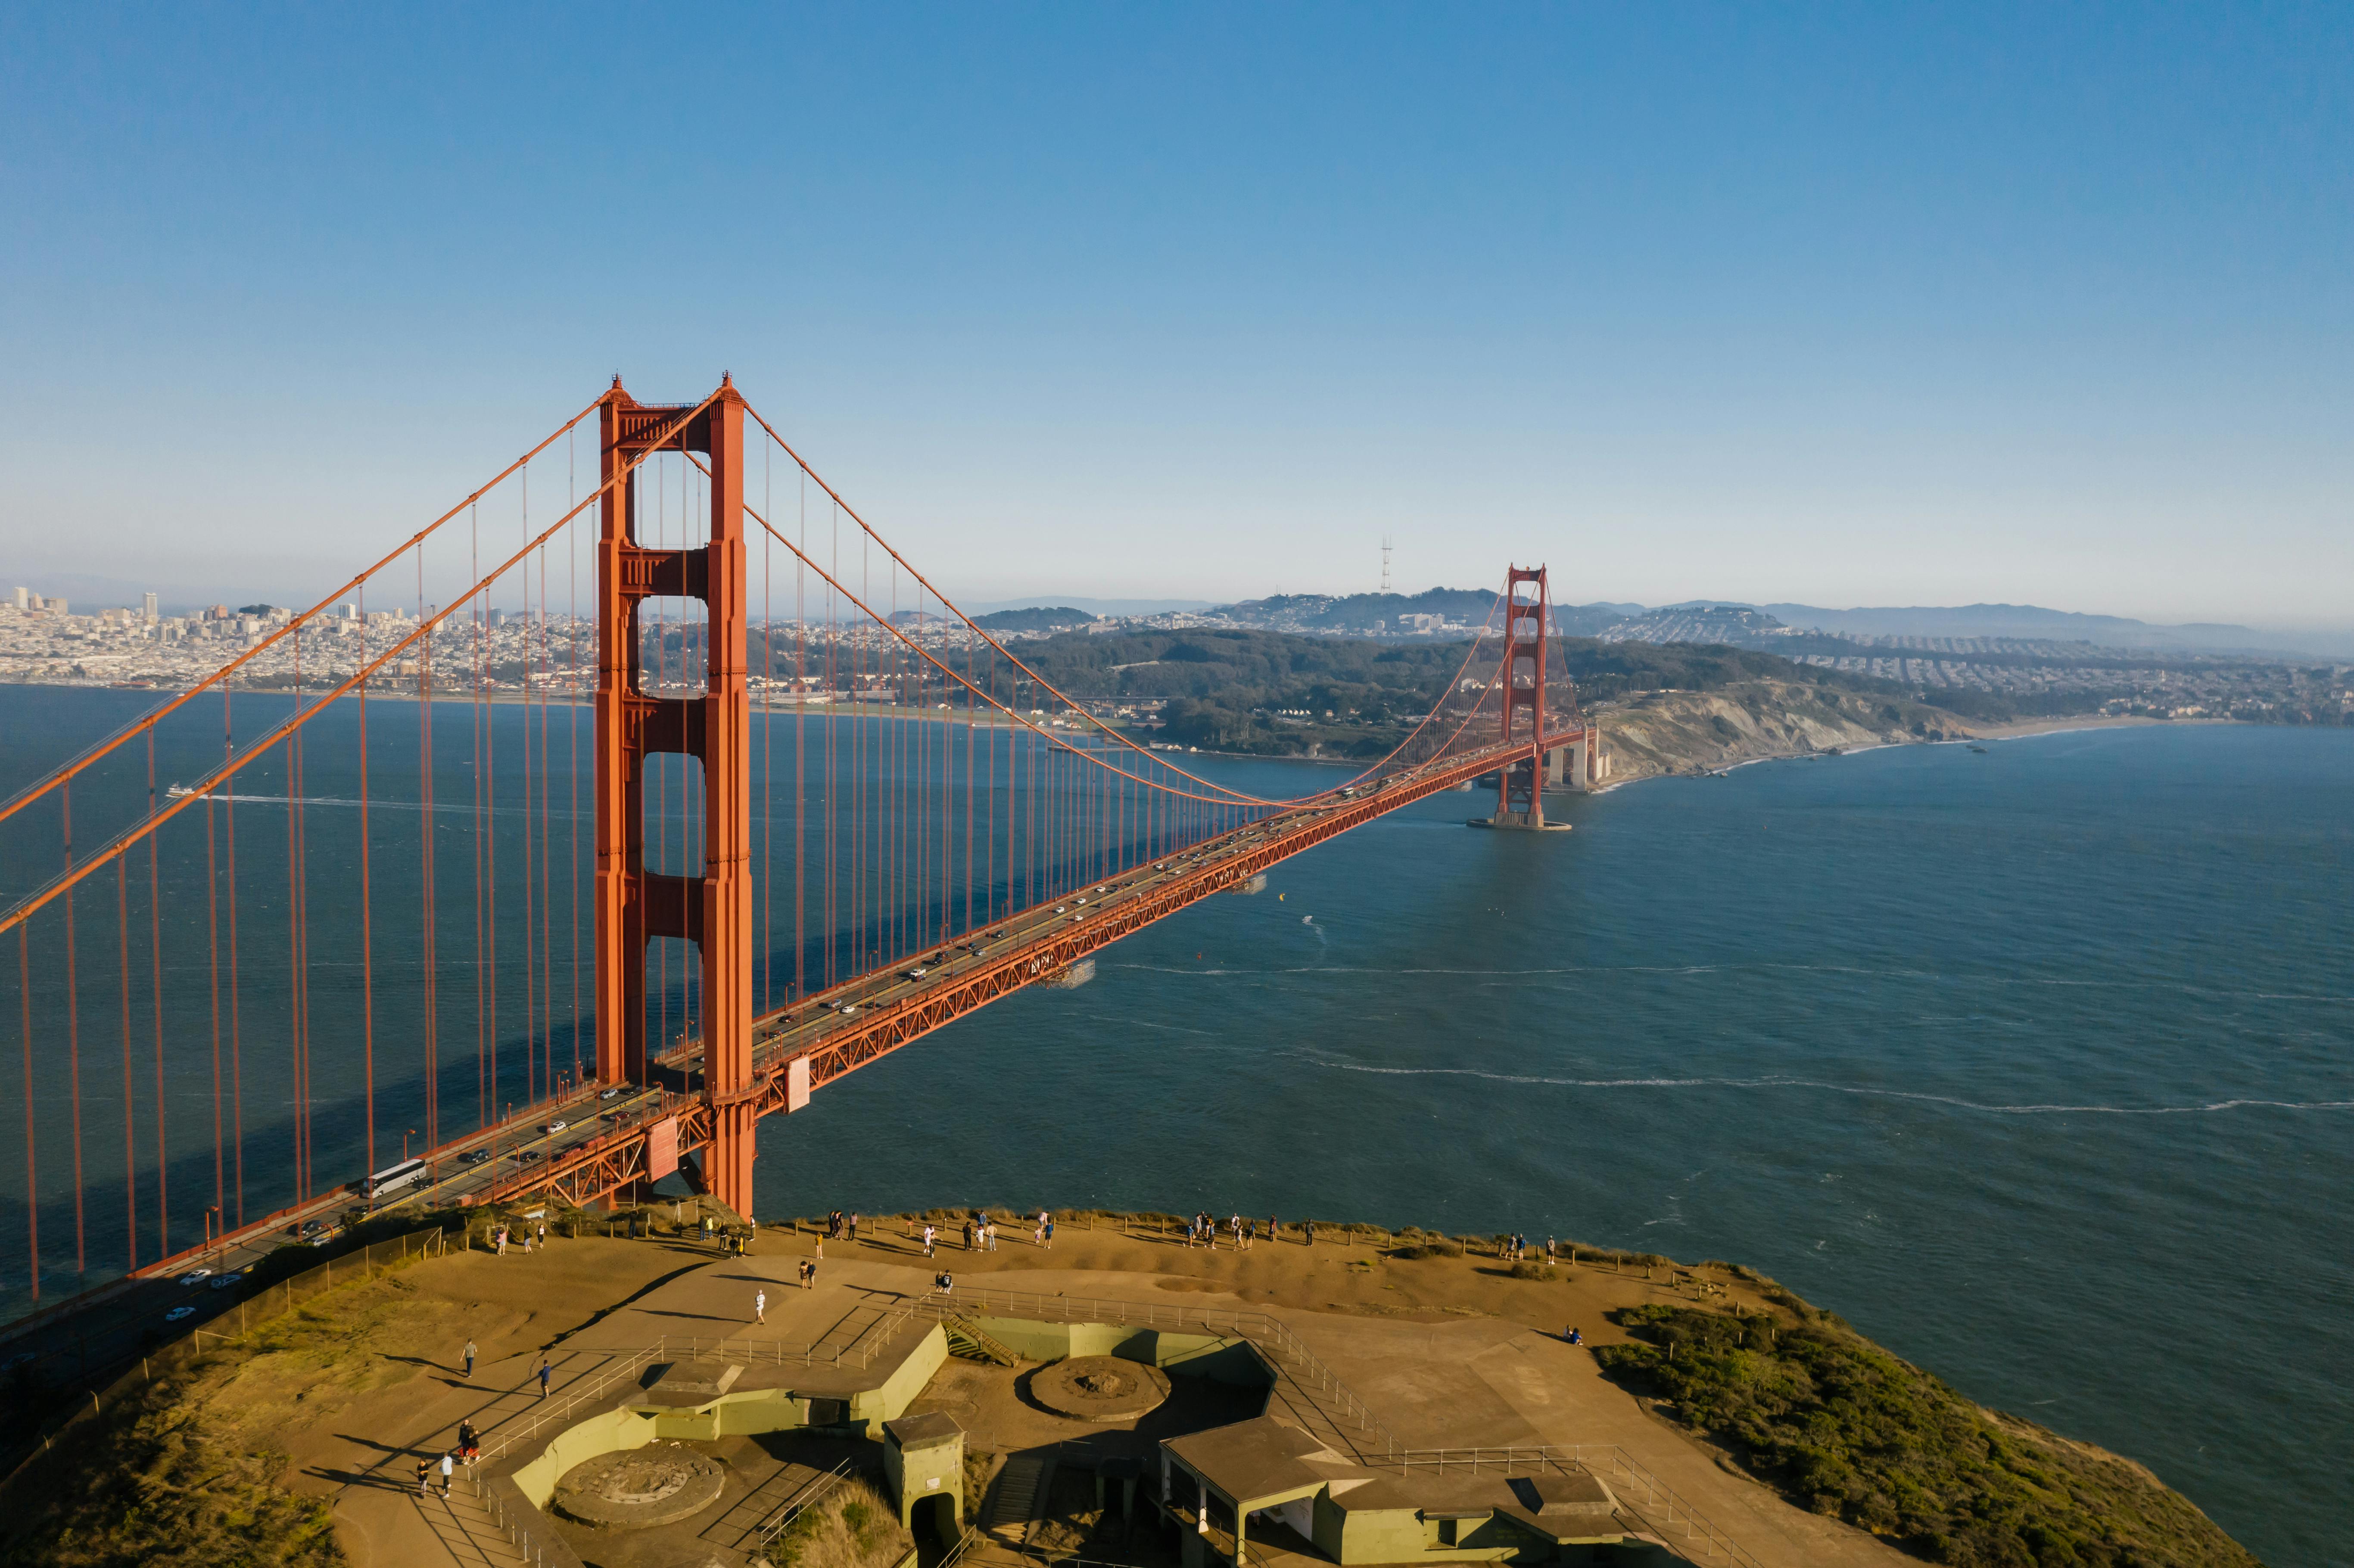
1385 562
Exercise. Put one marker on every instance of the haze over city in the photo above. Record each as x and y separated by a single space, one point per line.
1860 308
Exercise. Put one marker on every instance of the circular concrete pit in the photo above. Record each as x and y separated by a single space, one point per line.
660 1483
1098 1388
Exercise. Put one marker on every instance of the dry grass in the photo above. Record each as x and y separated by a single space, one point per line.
189 1472
852 1526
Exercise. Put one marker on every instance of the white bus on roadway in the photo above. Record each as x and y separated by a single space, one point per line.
393 1177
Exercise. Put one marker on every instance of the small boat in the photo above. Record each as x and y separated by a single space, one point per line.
1979 749
177 791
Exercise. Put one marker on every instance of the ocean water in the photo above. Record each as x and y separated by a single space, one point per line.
2036 1065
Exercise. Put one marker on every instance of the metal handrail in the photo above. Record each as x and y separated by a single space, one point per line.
791 1508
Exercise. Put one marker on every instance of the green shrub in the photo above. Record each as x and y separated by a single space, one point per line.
1438 1246
1841 1426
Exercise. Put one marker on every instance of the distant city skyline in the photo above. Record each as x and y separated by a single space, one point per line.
1854 307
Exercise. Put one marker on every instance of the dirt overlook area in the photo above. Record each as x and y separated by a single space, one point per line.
1778 1424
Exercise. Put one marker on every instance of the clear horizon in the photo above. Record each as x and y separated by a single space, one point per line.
1844 307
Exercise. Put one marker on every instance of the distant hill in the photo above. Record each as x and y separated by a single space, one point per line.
1099 607
1733 625
1460 610
2033 621
1055 617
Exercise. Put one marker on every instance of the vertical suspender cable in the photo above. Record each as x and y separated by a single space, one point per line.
156 1009
73 1038
212 924
368 916
130 1144
32 1180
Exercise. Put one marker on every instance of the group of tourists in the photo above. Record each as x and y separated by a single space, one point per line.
808 1274
840 1226
1204 1228
944 1282
469 1450
505 1233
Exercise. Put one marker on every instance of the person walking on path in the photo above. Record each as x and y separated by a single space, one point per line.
448 1464
545 1373
1311 1226
1273 1235
760 1306
1048 1233
424 1476
502 1242
929 1233
853 1227
470 1359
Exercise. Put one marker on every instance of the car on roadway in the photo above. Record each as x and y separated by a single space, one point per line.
21 1359
918 972
312 1229
177 1313
558 1125
196 1276
612 1093
529 1157
1062 908
474 1157
849 1009
230 1281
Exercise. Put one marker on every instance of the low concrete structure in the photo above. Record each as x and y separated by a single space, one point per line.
923 1461
1316 1505
1100 1388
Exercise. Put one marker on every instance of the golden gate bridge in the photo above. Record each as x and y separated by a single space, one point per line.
271 1000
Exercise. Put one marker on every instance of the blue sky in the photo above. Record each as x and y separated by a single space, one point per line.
1836 305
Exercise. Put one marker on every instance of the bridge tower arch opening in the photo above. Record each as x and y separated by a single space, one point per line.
712 909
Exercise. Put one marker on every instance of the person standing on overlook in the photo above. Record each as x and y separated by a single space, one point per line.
470 1359
760 1306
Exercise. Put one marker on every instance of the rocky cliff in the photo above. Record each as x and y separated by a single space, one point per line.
1699 732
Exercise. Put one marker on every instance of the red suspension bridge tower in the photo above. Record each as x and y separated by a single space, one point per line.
1519 794
713 910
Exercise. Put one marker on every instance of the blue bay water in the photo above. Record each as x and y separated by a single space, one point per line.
2037 1065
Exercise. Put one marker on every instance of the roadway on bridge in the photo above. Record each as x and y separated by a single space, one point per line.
511 1158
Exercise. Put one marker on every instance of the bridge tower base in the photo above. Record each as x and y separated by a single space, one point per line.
713 910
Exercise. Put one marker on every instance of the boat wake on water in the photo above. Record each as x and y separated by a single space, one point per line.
2207 1107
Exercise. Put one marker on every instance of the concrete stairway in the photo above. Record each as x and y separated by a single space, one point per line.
966 1341
1022 1488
